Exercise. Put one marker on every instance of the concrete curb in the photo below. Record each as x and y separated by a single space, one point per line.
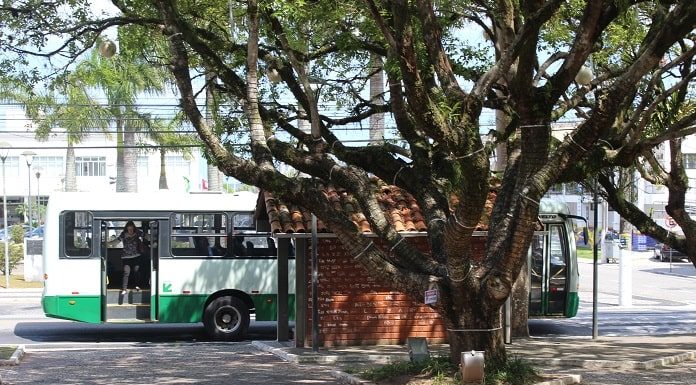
566 379
671 360
319 359
29 290
325 359
14 359
314 359
608 364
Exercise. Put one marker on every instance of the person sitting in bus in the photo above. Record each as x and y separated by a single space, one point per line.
238 246
203 246
131 239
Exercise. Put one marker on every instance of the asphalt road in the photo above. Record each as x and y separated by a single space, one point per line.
663 301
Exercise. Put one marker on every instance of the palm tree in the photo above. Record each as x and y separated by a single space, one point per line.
66 105
72 103
122 79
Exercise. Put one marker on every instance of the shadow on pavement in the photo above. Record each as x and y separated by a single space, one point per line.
61 331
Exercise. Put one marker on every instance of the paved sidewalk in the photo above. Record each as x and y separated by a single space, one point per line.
623 359
645 360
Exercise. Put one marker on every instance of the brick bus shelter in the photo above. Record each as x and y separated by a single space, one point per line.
353 307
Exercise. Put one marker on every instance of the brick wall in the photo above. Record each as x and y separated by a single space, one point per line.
356 309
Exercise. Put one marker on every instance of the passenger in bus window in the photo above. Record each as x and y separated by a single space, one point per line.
131 239
238 245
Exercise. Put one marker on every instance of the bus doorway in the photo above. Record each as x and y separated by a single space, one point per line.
548 265
127 285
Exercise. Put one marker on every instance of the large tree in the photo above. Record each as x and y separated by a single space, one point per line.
440 76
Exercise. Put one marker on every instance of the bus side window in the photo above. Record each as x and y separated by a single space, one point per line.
77 233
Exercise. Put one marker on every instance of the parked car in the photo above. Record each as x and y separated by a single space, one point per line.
664 253
36 232
2 231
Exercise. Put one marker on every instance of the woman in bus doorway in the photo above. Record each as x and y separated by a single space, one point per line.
131 239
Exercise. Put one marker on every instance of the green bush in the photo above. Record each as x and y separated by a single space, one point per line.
16 255
17 234
513 371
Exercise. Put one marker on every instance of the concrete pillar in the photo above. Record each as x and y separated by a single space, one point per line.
625 278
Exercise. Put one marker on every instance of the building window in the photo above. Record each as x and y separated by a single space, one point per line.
90 166
690 161
143 166
177 165
50 165
653 188
12 166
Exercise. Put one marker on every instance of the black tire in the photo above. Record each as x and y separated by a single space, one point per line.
226 319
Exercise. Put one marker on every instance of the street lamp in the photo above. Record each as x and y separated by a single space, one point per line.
29 157
4 151
37 171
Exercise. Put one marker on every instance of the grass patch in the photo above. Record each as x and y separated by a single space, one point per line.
18 282
440 371
514 371
587 253
6 352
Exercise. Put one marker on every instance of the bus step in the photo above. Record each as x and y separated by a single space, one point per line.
128 312
132 297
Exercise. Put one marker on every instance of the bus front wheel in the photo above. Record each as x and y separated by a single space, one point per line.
226 319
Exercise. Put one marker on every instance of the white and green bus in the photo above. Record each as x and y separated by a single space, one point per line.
553 263
205 262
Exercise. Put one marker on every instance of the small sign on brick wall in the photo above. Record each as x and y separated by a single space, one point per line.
430 296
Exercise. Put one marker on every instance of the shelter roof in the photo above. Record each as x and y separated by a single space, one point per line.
400 208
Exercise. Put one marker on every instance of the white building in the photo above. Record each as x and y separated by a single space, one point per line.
95 165
650 198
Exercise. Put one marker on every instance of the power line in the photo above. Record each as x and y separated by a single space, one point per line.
143 146
156 146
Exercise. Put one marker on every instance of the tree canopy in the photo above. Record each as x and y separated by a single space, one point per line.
277 65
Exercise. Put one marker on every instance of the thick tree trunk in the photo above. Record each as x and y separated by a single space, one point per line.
377 97
475 329
214 178
520 304
163 171
120 164
70 179
130 161
214 175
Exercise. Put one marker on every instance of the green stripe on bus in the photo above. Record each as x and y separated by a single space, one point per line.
572 304
181 308
189 308
266 309
77 308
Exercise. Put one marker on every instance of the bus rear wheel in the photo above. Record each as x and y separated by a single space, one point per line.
226 319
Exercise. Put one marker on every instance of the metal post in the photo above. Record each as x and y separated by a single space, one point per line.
508 320
301 339
283 314
3 155
38 195
29 157
315 287
595 270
